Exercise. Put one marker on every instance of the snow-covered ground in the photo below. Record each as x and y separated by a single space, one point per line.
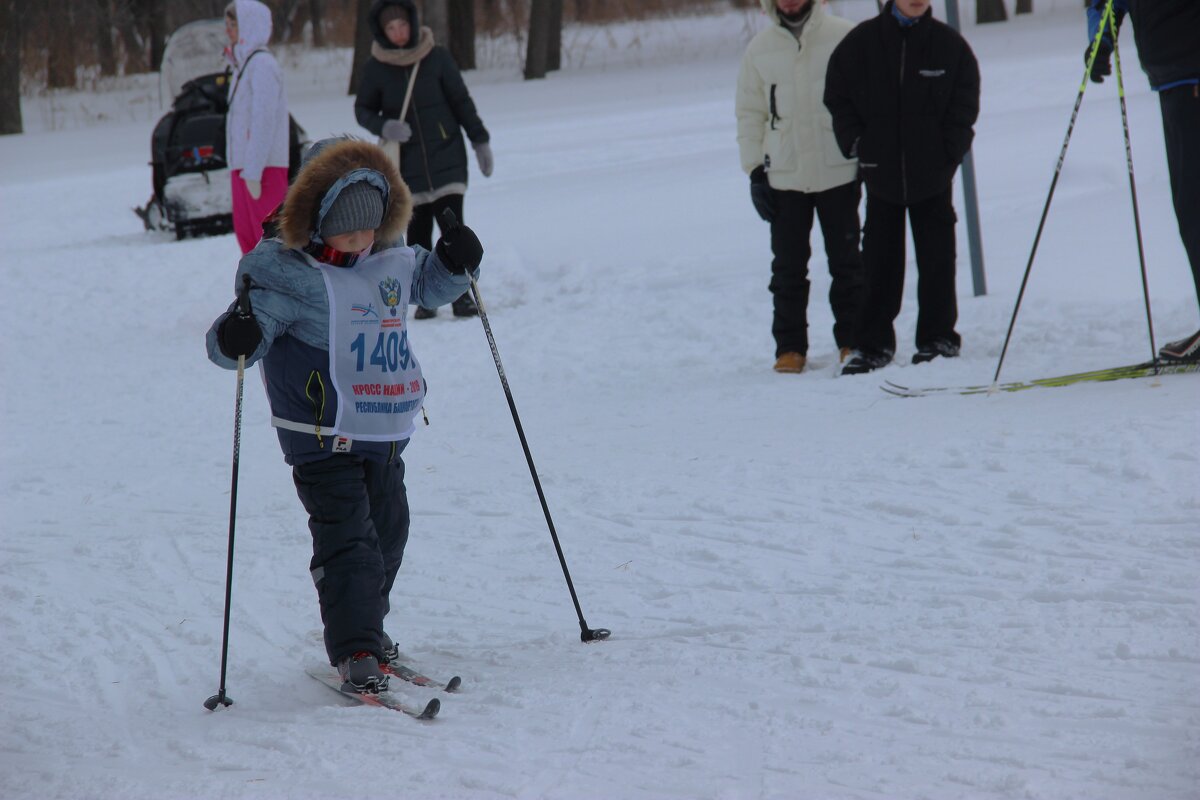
815 590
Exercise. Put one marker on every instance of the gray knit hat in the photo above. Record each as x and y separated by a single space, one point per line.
358 207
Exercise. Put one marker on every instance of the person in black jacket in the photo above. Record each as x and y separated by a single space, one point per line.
903 89
1167 33
412 96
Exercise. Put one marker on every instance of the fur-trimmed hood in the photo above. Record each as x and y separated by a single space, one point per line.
322 173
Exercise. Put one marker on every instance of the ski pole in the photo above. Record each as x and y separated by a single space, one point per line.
586 634
1137 221
1106 20
220 698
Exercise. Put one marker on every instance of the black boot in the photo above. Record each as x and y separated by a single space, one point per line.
864 361
424 313
931 350
1186 350
465 306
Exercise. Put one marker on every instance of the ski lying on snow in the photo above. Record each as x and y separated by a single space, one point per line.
383 699
1143 370
409 674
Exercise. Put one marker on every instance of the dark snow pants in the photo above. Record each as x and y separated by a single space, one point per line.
932 223
358 516
1181 132
837 211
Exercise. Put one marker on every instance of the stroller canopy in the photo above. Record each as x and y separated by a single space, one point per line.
193 50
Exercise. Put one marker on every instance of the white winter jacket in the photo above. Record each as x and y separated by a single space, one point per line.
782 123
256 127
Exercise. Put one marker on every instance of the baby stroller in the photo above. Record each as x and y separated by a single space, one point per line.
189 174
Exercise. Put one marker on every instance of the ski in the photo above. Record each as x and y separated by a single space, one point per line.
1144 370
409 674
382 700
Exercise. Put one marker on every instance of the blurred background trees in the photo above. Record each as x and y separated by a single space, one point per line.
69 44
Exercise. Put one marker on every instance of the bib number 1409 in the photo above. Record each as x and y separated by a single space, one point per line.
390 352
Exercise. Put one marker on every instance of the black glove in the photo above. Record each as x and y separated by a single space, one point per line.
238 333
459 248
762 195
1102 65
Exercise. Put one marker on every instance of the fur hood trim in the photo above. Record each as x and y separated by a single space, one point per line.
299 216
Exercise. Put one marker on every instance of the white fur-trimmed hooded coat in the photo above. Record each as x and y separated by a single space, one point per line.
782 122
256 126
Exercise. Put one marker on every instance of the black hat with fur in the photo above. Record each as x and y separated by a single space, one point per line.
326 163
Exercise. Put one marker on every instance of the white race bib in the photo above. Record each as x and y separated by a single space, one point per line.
376 374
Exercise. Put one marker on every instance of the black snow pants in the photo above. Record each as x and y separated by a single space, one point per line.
837 210
1181 132
358 516
932 223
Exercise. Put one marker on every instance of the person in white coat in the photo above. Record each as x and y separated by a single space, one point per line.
786 143
256 125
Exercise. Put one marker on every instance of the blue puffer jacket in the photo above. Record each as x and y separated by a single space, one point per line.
290 302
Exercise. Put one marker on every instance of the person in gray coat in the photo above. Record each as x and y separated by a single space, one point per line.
322 305
412 96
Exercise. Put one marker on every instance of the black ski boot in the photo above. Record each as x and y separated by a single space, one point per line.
1184 351
361 673
931 350
465 306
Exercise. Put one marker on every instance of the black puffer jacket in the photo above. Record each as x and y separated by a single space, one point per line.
440 109
904 100
1168 39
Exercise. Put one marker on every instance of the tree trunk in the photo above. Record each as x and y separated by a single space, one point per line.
134 47
153 16
538 44
438 20
62 50
316 15
583 10
282 17
462 33
362 45
491 15
554 38
106 49
10 68
1024 7
990 11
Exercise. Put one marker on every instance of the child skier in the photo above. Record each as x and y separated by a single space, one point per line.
326 313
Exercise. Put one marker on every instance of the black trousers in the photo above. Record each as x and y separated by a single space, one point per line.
932 222
837 210
1181 132
358 517
420 227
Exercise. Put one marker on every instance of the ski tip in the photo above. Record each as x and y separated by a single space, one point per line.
454 684
431 709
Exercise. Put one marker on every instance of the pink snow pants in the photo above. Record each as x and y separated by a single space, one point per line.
248 213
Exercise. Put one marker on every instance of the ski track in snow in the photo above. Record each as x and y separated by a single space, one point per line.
815 590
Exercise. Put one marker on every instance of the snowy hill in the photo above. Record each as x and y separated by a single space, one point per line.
815 590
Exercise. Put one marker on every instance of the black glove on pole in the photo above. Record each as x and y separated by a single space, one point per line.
451 227
762 195
458 248
238 334
1102 65
220 698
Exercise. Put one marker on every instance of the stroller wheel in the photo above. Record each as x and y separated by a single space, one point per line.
153 216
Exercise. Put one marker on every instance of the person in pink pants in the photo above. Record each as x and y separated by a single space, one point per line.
256 125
